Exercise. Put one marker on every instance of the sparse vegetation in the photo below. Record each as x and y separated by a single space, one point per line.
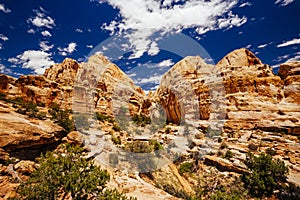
61 117
67 172
185 167
266 174
101 117
116 140
228 154
141 120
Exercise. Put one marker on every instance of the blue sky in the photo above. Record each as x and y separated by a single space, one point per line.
36 34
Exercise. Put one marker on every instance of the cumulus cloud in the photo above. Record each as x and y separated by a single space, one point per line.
283 2
41 19
141 19
290 42
78 30
166 63
46 33
4 70
4 9
44 46
67 50
36 60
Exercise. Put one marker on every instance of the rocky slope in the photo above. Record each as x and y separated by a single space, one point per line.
237 105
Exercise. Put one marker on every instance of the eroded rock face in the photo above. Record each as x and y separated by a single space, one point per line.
255 98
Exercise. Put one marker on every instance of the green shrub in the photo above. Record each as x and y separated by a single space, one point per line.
156 145
138 147
228 154
141 120
116 127
102 117
168 130
221 195
61 117
41 104
185 167
64 173
266 174
116 140
271 151
41 115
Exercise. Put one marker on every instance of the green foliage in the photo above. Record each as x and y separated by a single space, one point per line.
222 195
138 147
156 145
175 192
41 115
223 145
64 173
116 140
228 154
61 117
271 151
116 127
41 104
266 174
141 120
27 108
103 118
212 132
185 167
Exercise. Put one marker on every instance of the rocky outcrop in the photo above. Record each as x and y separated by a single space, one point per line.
240 92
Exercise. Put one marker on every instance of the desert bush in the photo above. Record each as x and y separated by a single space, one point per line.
266 174
116 140
185 167
141 120
61 117
228 154
116 127
101 117
156 145
64 173
41 115
271 151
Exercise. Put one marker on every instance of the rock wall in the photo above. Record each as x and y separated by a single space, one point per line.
255 98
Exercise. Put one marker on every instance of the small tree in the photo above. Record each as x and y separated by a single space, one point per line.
266 174
64 173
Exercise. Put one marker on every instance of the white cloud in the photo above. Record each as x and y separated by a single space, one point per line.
4 70
67 50
89 46
166 63
41 19
3 37
288 43
46 33
141 19
44 46
3 9
295 58
31 31
78 30
153 79
284 2
245 4
33 59
262 46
